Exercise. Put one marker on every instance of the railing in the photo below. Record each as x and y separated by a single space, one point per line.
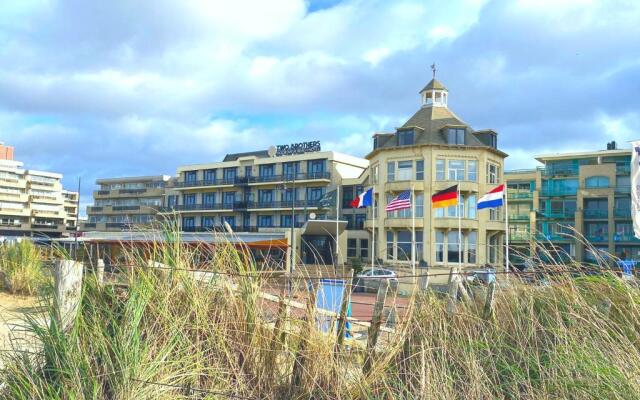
289 177
625 238
10 224
95 208
623 169
44 226
125 208
558 214
520 236
565 171
520 171
103 192
597 238
284 204
519 195
558 192
519 217
210 182
90 225
206 207
131 191
554 237
117 224
623 189
595 214
622 212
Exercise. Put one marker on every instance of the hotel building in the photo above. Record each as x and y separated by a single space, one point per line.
432 151
271 191
589 192
33 203
121 203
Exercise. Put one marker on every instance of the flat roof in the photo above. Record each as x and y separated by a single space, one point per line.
134 179
582 154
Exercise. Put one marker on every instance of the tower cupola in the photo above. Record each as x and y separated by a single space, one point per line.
434 94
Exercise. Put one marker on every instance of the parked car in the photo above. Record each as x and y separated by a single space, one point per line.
369 279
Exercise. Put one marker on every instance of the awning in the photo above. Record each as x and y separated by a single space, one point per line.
323 227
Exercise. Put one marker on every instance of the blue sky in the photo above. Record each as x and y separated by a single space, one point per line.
102 89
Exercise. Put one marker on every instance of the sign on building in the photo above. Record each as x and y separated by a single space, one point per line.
297 148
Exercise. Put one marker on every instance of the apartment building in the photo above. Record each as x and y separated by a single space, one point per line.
265 191
123 203
589 192
434 150
33 203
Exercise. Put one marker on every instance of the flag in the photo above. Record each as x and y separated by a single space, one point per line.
495 198
363 199
401 202
445 198
328 200
635 187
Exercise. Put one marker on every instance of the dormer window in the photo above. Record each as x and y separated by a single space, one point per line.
455 136
405 138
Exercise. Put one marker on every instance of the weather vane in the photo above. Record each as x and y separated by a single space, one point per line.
433 68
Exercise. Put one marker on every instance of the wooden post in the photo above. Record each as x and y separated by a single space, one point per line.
453 291
376 321
463 291
488 304
342 319
67 291
100 272
424 282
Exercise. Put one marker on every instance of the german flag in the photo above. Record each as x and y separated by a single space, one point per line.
445 198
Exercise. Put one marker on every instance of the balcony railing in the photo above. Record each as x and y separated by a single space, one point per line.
117 225
284 204
290 177
103 192
597 238
519 217
554 237
520 236
560 171
623 169
44 226
623 189
595 214
90 225
10 224
210 182
622 213
558 192
206 207
558 214
125 208
519 195
625 238
95 209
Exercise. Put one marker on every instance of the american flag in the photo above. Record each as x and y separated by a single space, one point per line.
402 201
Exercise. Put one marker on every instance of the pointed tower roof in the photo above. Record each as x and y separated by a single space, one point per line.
434 84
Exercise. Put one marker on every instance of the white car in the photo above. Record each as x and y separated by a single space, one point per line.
369 279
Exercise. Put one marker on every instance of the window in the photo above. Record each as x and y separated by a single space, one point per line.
391 171
364 248
209 175
597 231
405 171
188 223
390 253
453 247
374 179
439 246
230 219
289 195
455 136
440 170
596 182
419 204
472 170
403 246
419 245
494 214
624 230
189 199
230 174
405 138
209 198
456 170
316 166
229 198
419 170
347 196
172 200
352 249
471 206
265 221
267 171
285 220
623 182
265 196
190 176
207 222
359 221
314 193
623 205
290 169
472 243
493 249
493 173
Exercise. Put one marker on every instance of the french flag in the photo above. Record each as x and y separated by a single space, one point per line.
363 199
493 199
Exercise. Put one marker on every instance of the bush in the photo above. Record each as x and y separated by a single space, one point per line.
22 269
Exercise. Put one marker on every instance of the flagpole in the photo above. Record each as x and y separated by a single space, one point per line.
413 235
337 223
373 227
459 231
506 229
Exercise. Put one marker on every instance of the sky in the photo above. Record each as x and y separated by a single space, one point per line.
122 88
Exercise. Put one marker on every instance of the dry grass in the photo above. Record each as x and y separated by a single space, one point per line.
22 268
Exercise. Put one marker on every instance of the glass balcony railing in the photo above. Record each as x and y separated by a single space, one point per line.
623 169
558 214
623 189
520 236
597 238
622 213
519 195
519 217
595 214
554 237
568 170
551 192
626 238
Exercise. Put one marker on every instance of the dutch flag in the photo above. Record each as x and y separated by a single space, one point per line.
493 199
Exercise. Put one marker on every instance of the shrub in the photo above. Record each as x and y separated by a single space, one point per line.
22 269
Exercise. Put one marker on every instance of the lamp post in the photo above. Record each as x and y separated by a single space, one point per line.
292 246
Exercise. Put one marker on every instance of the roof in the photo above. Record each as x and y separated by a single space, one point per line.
153 178
584 154
434 84
236 156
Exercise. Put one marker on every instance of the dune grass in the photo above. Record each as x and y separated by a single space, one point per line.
22 268
577 338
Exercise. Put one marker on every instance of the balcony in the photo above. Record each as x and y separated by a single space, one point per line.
309 176
623 169
283 204
37 225
95 209
125 208
90 225
595 214
560 171
210 182
547 192
558 214
10 225
45 212
597 238
625 238
554 237
622 213
511 195
520 236
206 207
623 189
519 217
116 225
